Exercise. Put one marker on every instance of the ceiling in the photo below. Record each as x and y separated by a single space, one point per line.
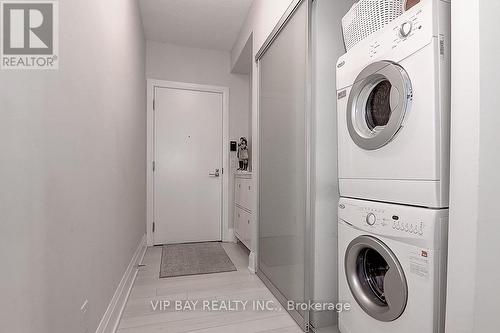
210 24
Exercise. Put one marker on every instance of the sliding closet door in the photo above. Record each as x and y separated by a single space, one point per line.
283 169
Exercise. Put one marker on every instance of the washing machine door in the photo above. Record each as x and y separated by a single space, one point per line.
376 278
378 103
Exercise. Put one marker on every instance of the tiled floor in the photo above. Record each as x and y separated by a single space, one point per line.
140 317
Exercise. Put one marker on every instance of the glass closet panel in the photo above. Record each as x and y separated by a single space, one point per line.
283 161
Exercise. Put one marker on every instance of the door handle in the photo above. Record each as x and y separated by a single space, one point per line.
215 174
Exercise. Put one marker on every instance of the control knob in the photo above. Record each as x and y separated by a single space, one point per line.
405 29
371 219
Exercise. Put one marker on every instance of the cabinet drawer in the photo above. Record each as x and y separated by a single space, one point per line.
243 226
247 227
238 226
243 193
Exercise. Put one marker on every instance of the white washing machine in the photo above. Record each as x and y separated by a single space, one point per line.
392 267
393 96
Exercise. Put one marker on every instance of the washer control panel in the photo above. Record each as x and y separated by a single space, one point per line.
420 226
371 219
409 227
385 220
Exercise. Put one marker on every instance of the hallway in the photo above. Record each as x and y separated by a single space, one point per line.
140 317
340 153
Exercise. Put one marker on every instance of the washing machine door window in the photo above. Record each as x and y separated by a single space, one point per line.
376 278
378 103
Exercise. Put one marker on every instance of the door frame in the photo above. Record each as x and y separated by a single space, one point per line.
227 234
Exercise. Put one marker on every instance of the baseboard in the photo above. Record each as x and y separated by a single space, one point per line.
251 262
111 318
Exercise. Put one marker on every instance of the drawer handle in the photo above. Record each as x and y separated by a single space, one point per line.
249 187
248 221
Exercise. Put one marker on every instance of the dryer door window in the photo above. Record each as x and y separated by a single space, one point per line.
378 103
376 278
378 110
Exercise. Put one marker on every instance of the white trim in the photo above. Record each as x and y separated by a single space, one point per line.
111 318
255 159
232 238
252 263
227 234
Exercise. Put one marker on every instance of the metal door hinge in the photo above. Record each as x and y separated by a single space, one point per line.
154 104
154 166
154 227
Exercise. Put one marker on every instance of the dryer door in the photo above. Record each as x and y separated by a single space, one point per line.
378 103
376 278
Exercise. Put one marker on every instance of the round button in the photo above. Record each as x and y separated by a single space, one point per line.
405 29
371 219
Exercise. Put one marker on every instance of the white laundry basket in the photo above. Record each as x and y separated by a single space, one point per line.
367 16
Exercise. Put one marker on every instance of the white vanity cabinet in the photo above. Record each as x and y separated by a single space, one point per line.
243 207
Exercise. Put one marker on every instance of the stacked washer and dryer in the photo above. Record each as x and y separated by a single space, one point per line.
393 92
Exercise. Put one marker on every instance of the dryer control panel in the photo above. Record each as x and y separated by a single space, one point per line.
404 30
424 24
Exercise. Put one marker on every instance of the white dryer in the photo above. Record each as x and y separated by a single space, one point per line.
393 97
392 267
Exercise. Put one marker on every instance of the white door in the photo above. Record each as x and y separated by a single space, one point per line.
188 167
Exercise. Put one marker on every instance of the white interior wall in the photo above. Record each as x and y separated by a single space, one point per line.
172 62
250 132
243 65
261 20
472 304
72 171
327 46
